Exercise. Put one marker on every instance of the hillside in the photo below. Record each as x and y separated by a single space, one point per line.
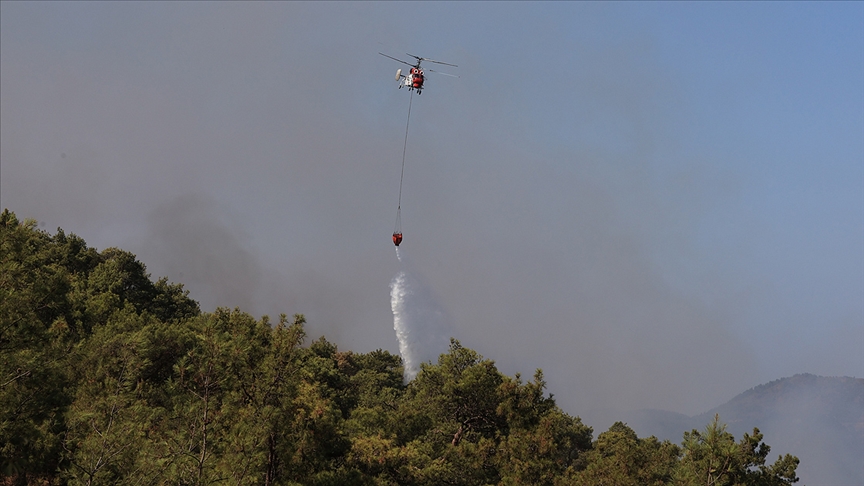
107 377
820 418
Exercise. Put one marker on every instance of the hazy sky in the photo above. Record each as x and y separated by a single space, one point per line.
660 204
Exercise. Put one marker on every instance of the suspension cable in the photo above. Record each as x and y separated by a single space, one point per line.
398 228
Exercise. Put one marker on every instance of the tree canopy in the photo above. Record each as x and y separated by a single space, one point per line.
108 377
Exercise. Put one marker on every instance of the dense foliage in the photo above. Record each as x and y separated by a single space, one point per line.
107 377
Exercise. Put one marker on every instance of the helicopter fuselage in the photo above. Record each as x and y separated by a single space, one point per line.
413 80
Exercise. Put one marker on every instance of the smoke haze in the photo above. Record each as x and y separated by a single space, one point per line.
660 205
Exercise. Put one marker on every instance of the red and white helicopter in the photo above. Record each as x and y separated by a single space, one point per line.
415 78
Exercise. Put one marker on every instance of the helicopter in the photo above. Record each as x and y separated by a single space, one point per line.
414 79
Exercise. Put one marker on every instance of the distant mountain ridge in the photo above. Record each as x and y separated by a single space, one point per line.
757 403
817 418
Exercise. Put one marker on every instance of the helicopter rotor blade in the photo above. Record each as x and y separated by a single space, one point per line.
439 72
419 59
397 60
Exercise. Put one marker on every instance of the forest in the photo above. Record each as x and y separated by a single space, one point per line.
109 377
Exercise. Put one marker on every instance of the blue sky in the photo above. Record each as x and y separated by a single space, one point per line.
660 204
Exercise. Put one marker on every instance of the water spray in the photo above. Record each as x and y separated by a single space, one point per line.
420 323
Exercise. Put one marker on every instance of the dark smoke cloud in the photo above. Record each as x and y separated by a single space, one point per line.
194 246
